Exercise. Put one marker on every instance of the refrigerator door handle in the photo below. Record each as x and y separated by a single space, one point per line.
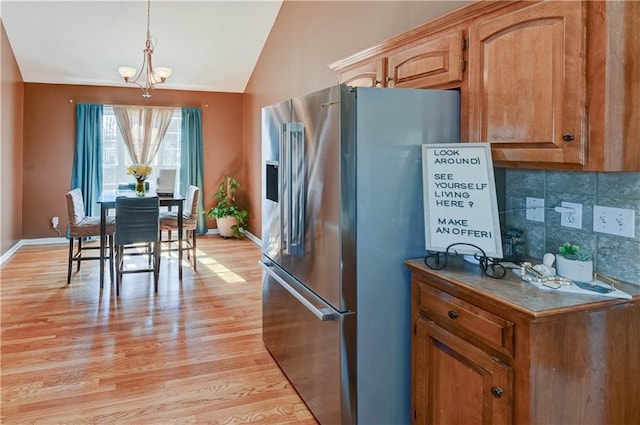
284 191
323 314
297 187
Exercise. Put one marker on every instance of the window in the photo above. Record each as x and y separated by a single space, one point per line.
115 157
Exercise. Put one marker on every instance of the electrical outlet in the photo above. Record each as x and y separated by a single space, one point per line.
535 209
614 221
54 222
572 219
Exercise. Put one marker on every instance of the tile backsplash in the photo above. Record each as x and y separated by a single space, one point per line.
613 255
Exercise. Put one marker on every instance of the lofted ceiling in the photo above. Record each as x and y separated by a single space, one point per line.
211 45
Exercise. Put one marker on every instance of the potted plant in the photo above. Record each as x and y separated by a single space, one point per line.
231 219
574 262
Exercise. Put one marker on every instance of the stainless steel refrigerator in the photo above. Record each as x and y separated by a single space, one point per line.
342 209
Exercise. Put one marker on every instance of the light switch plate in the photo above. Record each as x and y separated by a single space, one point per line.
614 221
535 209
573 219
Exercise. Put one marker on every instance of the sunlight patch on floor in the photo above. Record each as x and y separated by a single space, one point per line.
135 262
220 270
172 256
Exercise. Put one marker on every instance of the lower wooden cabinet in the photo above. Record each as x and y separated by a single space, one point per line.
487 351
457 383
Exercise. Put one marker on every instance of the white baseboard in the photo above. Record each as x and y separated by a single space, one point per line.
47 241
10 252
253 238
249 236
43 241
25 242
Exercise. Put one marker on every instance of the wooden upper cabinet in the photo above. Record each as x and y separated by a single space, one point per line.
436 61
550 84
614 85
527 84
369 74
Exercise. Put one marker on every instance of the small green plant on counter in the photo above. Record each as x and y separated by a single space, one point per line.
572 251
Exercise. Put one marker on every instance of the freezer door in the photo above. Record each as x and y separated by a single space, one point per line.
312 343
315 195
275 182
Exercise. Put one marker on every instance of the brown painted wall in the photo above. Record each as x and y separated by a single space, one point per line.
11 102
49 138
307 36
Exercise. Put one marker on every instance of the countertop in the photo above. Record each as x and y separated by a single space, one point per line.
516 293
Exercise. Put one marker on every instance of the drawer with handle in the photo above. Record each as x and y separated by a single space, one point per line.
459 315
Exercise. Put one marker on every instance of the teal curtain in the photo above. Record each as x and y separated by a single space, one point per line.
87 158
192 159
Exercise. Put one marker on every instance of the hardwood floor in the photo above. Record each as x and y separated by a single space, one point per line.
192 353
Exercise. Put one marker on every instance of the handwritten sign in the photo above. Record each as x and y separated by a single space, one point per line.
460 203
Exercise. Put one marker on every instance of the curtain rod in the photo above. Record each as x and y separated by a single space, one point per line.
206 105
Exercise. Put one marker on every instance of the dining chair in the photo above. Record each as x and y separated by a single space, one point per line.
131 187
137 221
82 226
169 222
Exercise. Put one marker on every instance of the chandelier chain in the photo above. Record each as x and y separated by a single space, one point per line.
148 22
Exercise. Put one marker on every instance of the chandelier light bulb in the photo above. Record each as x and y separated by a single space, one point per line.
162 72
126 72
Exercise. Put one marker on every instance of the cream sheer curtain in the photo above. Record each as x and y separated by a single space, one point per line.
142 129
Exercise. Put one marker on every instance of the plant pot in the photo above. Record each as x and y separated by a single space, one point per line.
225 224
581 271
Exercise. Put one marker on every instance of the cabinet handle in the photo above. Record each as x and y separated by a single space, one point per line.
497 392
453 314
568 137
389 78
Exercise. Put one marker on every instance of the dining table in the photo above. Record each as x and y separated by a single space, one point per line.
107 201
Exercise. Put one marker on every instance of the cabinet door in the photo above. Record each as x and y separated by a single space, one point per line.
527 84
434 62
455 382
370 74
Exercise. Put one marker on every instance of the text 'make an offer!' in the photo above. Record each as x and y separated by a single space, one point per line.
460 198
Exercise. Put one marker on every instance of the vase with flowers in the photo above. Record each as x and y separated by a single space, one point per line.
141 172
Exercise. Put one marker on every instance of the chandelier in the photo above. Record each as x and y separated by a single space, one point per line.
152 76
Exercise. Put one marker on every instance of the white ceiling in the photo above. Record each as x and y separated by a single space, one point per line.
211 45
